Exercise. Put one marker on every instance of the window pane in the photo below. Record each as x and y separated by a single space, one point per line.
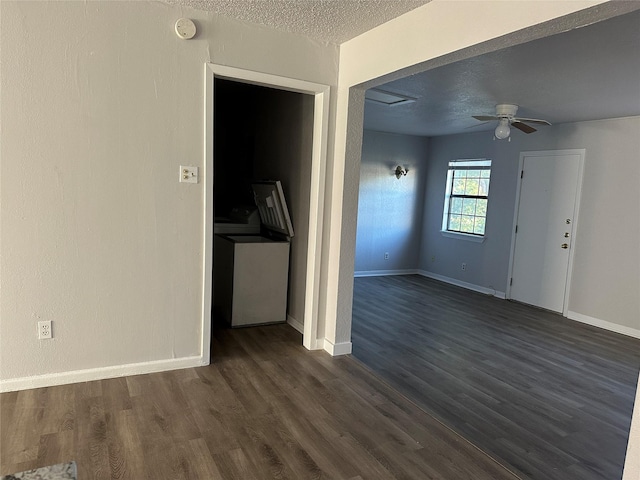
458 186
456 205
471 187
481 207
469 206
483 187
466 224
468 178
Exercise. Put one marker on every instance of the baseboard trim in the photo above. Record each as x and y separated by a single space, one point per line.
335 349
295 324
382 273
596 322
460 283
91 374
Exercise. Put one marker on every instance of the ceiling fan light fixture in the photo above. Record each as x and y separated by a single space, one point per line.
502 130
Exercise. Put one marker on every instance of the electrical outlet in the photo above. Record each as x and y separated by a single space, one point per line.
386 255
44 330
464 266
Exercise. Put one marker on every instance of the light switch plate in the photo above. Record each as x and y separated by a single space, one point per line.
188 174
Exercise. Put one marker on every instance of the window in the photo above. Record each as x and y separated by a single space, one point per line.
466 197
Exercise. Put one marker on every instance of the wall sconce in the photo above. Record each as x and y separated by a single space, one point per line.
401 172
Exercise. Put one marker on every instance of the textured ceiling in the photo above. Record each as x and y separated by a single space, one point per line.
587 73
333 21
584 74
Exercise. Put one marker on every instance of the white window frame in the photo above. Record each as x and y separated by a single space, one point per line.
460 163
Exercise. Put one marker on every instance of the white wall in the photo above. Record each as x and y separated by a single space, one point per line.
390 209
100 104
606 275
632 459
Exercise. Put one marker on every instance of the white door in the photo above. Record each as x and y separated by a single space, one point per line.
545 228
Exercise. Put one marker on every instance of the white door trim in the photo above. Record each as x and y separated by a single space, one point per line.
318 173
542 153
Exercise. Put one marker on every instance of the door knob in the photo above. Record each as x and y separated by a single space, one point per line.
564 245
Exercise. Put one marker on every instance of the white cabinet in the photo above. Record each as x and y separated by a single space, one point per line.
251 272
250 279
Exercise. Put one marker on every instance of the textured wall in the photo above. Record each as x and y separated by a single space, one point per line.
100 104
487 262
390 209
606 269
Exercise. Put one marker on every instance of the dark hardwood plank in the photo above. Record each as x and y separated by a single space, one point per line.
265 408
547 396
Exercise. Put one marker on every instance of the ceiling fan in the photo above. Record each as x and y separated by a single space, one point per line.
506 116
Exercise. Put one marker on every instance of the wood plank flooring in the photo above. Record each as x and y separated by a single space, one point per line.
266 408
549 397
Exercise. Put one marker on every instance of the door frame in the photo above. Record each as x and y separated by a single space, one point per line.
321 95
576 211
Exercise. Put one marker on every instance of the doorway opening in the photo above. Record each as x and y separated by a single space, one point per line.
393 344
258 126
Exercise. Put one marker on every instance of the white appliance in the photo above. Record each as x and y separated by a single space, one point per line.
242 219
250 272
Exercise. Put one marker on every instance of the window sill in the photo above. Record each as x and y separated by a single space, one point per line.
463 236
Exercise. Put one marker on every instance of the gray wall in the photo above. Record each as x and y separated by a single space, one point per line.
606 276
487 262
606 272
389 209
283 143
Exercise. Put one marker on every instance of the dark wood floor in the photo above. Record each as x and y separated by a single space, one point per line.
547 396
265 408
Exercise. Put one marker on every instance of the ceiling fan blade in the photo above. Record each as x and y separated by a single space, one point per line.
523 127
476 125
532 120
485 118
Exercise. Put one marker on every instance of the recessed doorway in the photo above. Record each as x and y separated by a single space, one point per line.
305 177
